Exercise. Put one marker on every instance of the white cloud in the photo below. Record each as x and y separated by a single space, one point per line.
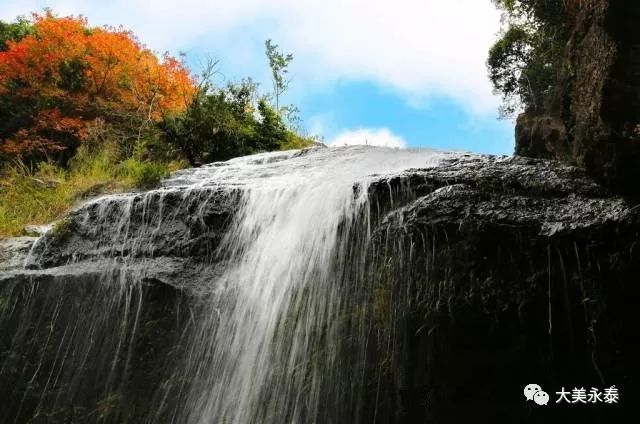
420 48
372 137
321 123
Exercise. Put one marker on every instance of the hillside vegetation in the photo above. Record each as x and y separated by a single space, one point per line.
86 110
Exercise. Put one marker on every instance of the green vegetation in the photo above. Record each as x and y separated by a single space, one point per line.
14 31
64 137
43 193
524 63
226 122
61 229
145 175
279 64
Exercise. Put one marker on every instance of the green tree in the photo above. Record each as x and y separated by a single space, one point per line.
523 64
222 123
14 31
234 120
271 129
279 64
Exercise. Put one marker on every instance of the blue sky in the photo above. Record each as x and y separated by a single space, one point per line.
406 73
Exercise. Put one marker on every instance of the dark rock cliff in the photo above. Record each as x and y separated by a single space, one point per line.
482 275
594 121
519 270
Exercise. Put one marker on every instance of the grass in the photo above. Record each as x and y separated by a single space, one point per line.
295 141
145 175
61 229
42 195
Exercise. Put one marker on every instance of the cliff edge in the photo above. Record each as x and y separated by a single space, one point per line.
594 117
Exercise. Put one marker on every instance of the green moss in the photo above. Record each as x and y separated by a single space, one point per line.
381 302
61 229
109 407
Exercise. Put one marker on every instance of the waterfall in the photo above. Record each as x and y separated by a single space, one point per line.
329 285
269 252
275 306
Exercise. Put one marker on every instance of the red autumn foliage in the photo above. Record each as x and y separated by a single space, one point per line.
64 75
49 132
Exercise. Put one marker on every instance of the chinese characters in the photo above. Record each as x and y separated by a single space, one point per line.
577 395
580 395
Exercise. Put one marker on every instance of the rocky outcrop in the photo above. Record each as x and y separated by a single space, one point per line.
505 272
14 252
171 223
482 275
542 137
594 121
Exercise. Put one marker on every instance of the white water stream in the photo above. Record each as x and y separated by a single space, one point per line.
275 322
253 364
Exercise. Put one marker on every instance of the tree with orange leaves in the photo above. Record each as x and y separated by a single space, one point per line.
63 75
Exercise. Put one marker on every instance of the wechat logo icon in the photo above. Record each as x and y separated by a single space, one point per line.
535 393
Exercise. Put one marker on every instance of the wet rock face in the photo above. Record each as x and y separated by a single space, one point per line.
75 349
514 272
546 196
481 275
178 224
542 137
14 252
597 101
94 314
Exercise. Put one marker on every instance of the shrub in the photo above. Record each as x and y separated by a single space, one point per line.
145 175
224 123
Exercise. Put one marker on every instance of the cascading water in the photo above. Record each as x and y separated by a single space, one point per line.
325 286
265 336
275 305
